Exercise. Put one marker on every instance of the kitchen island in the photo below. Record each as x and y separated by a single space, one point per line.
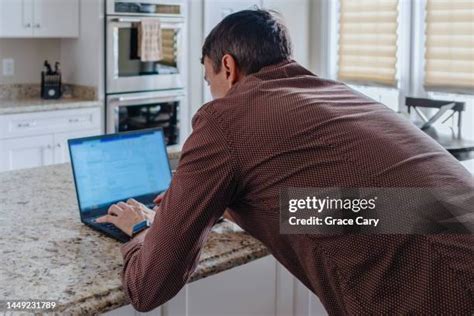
46 253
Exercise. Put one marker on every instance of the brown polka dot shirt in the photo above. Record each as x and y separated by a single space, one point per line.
286 127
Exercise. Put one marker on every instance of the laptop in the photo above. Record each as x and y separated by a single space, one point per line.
111 168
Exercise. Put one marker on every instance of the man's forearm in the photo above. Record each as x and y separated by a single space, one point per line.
159 262
137 239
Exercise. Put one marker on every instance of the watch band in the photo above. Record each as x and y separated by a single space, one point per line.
140 226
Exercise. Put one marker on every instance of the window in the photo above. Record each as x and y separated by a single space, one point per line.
368 33
434 44
449 45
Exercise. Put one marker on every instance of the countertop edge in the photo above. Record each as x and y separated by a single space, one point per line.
68 104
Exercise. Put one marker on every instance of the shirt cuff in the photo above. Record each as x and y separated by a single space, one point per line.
136 242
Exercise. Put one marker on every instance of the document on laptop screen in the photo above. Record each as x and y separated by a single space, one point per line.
117 168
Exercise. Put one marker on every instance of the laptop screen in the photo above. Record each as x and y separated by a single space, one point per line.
116 167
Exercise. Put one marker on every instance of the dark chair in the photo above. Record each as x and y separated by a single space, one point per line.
454 143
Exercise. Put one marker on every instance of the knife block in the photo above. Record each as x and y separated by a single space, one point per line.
50 86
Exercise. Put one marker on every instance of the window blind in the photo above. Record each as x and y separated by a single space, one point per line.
368 41
449 51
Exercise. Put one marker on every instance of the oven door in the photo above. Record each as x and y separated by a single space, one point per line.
137 111
126 72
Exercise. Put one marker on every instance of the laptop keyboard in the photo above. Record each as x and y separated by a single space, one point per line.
150 205
112 227
109 226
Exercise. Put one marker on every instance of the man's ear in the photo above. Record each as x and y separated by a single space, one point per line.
230 68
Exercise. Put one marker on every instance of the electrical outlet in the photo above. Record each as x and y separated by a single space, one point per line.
8 66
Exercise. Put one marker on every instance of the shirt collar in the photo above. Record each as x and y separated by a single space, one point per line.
263 70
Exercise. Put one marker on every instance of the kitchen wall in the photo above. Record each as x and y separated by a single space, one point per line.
296 16
204 16
83 57
29 55
320 28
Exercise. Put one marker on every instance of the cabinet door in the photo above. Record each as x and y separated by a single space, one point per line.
16 18
28 152
56 18
249 289
305 302
61 149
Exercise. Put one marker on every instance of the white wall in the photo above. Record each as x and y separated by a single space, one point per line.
29 55
195 70
83 58
205 14
296 15
320 27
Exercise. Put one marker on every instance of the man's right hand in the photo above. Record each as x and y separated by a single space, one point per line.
149 214
158 200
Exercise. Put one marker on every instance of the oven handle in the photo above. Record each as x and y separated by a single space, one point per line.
132 20
129 99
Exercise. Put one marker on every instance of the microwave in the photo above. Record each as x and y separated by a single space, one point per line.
128 112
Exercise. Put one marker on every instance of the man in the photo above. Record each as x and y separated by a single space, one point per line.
273 125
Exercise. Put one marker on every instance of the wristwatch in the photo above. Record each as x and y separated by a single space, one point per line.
138 227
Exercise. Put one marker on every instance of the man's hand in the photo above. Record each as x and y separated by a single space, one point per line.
149 214
158 200
124 216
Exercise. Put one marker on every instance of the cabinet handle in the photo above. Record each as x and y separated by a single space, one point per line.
37 25
49 147
58 145
23 125
73 120
28 25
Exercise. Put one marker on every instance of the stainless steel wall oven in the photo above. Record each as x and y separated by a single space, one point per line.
128 112
142 94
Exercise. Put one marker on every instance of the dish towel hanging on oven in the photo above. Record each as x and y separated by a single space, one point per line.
150 46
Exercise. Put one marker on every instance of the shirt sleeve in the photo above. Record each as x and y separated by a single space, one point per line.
159 263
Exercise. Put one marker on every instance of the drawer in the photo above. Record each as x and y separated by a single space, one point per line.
26 124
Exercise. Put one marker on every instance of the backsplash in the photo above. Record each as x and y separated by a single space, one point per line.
32 90
29 55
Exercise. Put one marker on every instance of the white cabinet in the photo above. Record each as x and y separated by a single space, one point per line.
16 18
249 289
61 148
39 18
244 290
56 18
262 287
27 152
40 139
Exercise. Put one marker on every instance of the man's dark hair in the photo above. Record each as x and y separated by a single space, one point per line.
255 38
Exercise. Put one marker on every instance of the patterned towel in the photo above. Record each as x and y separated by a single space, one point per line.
149 40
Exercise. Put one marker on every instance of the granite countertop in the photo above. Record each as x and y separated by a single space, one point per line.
47 253
24 105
